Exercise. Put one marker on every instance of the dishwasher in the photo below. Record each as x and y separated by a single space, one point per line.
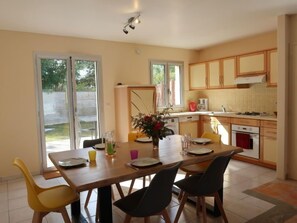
189 124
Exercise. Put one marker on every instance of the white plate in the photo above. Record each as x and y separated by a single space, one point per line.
200 151
144 139
145 162
201 140
100 146
72 162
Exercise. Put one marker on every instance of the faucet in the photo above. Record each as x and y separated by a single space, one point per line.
223 108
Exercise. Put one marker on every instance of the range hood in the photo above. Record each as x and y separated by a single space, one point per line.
251 80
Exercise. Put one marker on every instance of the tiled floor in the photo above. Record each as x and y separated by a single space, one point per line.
239 206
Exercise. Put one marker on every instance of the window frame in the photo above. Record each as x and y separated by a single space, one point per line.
167 64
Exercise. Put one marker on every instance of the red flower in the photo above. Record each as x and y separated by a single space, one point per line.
158 126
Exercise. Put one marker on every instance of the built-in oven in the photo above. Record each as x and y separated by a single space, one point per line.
248 138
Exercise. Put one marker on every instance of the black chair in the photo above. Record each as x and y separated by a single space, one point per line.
90 143
205 185
151 200
169 132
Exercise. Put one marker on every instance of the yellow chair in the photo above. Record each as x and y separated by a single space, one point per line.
46 200
200 167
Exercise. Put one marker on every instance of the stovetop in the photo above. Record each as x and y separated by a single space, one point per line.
252 113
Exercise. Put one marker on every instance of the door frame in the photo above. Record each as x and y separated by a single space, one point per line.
71 79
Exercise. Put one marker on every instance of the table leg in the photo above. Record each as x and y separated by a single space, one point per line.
76 215
105 204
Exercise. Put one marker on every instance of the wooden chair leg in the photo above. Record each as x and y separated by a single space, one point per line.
180 195
166 216
38 216
65 215
88 198
143 181
198 206
120 190
127 219
203 205
220 206
147 220
131 186
181 206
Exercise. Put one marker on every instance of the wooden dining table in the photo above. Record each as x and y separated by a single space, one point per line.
110 170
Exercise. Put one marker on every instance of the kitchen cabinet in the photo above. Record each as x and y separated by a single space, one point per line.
245 121
129 101
272 68
198 75
229 72
218 125
189 125
214 74
251 64
268 142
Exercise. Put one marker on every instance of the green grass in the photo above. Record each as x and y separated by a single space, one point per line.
61 131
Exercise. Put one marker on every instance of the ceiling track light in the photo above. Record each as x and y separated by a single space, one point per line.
131 23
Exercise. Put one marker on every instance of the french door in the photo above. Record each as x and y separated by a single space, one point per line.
69 103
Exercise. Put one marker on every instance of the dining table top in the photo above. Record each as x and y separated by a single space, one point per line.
110 170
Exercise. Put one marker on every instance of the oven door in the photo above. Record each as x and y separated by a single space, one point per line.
248 141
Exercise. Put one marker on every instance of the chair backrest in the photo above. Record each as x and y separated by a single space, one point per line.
212 179
169 132
214 137
32 188
159 192
92 142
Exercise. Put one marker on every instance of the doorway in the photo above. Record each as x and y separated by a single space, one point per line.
69 102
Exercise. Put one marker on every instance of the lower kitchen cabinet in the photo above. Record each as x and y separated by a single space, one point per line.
268 142
218 125
189 125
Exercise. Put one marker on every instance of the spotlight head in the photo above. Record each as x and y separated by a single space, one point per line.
125 31
137 20
132 26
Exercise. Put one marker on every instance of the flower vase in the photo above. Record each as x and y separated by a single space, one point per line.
155 142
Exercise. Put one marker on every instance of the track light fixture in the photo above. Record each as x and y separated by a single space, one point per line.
131 21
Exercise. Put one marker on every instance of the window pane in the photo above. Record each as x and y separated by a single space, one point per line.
174 85
158 79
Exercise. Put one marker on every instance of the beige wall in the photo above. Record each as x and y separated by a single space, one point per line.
18 117
256 98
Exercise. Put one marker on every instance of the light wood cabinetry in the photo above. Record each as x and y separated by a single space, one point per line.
218 125
189 125
268 142
229 72
214 74
251 64
129 101
272 68
244 121
198 74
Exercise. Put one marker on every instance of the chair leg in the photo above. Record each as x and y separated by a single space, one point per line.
120 190
166 216
38 216
202 199
147 220
143 181
88 198
220 206
127 219
198 206
131 186
65 215
181 206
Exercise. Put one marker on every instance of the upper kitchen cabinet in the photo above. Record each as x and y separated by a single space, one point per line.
130 101
198 75
272 68
251 64
229 72
214 74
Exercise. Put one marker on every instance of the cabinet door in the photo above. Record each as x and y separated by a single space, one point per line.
189 127
272 68
198 76
270 149
251 64
214 74
229 72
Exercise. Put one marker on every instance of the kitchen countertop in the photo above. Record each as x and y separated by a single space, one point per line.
224 114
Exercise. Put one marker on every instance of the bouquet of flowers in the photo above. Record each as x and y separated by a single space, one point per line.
153 125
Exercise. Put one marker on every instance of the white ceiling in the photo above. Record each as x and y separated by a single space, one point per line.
189 24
